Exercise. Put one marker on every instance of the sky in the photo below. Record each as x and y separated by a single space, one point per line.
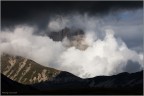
113 32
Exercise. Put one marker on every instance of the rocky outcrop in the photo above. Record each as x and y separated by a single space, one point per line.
25 71
74 38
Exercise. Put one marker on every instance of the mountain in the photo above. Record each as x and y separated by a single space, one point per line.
66 83
9 86
66 32
74 36
61 82
25 71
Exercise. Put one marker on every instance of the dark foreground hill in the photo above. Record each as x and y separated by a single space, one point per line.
9 86
67 84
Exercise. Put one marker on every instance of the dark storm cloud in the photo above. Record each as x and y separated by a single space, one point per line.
39 13
35 12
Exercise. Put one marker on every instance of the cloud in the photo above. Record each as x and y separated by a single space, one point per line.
102 58
127 25
132 67
57 24
22 42
106 53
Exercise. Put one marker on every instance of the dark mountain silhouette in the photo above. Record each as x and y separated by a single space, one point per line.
66 83
9 86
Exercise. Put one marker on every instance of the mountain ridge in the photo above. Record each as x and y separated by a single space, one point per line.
24 70
77 86
66 83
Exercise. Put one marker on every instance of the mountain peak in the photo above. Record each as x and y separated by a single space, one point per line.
25 71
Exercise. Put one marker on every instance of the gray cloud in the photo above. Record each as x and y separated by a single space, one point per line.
132 67
127 25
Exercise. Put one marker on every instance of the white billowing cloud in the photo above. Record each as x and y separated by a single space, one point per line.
22 42
102 58
74 21
57 24
105 54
